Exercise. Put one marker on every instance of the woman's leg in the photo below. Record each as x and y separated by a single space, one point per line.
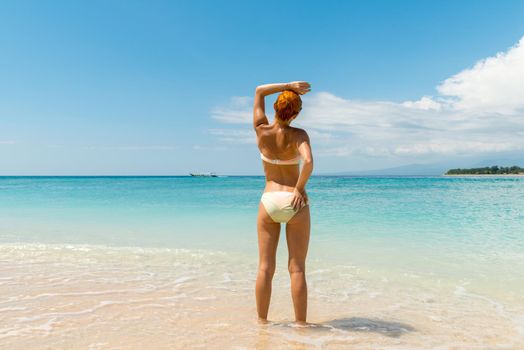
297 236
268 234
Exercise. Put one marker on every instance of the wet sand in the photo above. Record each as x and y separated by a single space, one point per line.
89 297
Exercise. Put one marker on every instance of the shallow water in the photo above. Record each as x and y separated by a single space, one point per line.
394 263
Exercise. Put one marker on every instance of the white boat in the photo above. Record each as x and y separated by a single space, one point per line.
204 174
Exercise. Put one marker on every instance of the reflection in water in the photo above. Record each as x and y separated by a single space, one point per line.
358 324
330 332
391 329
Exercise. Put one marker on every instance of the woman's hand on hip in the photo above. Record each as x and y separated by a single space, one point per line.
299 200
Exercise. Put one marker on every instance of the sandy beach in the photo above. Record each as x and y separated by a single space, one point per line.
89 297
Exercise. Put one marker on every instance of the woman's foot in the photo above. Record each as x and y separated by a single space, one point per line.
262 321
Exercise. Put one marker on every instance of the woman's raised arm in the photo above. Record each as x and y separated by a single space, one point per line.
259 108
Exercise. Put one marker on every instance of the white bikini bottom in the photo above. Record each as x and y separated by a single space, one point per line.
278 205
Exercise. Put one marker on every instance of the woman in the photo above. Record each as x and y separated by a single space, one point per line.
284 199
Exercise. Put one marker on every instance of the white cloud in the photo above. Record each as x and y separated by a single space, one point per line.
479 110
425 103
494 84
7 142
453 147
239 110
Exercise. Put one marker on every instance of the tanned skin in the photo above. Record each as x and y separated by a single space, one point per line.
279 140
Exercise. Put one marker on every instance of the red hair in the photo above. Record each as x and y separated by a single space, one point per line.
288 104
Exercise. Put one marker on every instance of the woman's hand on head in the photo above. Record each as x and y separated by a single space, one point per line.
300 87
299 200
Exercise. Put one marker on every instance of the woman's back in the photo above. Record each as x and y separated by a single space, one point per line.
276 142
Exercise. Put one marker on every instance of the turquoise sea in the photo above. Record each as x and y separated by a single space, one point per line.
462 232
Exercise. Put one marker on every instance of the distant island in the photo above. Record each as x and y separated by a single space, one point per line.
489 170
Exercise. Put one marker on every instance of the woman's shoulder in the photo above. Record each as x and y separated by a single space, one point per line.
300 133
298 130
295 134
300 136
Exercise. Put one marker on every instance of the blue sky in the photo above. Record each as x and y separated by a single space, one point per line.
164 87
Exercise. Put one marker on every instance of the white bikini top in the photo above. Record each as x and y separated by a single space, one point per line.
280 161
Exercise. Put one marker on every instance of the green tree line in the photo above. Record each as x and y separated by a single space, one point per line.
489 170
